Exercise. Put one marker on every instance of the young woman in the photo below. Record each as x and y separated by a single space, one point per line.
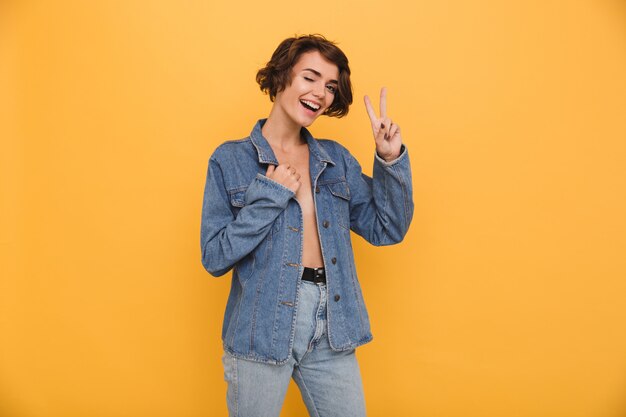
278 209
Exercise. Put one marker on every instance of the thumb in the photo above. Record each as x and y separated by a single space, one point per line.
270 170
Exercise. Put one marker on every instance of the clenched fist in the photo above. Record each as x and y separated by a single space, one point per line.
284 175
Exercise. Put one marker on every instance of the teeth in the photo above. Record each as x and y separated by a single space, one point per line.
311 104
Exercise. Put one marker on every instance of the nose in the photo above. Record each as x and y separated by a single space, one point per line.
319 92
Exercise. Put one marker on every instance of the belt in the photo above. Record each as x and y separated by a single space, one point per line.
316 275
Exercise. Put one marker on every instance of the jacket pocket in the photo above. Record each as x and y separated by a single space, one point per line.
237 200
341 202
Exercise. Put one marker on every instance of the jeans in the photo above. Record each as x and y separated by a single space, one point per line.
329 381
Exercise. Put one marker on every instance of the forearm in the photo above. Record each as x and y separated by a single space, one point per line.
393 197
224 239
382 206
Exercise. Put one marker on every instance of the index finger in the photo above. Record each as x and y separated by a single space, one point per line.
370 109
383 102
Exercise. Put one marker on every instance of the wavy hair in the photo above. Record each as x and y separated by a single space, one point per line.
276 74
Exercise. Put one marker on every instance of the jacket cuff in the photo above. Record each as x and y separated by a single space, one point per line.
403 152
263 187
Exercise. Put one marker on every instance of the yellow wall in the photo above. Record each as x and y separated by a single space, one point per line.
507 296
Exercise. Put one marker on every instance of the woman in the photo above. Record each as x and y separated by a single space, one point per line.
278 209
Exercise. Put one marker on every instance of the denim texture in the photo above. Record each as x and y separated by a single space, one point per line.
253 225
329 382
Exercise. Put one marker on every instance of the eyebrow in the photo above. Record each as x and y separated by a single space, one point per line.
319 75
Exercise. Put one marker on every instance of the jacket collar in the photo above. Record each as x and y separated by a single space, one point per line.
266 154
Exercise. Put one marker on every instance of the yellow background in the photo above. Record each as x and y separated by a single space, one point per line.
507 297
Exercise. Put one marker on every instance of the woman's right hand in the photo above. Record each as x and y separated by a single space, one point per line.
285 175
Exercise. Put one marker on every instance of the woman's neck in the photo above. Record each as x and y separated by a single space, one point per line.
281 132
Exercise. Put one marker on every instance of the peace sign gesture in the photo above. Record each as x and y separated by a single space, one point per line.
386 133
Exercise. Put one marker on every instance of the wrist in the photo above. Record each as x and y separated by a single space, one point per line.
389 160
392 157
389 157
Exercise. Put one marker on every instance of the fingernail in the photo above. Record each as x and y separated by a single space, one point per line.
382 126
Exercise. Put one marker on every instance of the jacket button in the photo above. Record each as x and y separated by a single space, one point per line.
334 261
325 224
317 190
337 297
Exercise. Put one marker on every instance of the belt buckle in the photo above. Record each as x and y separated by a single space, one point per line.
318 277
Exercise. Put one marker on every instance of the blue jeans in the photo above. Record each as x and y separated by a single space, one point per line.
329 381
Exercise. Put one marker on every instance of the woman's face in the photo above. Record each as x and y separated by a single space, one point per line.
312 89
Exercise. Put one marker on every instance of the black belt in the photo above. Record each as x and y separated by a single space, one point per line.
316 275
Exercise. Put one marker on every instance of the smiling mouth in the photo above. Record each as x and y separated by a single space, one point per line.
310 105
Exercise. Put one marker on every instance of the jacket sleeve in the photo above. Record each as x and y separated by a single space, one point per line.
224 238
381 208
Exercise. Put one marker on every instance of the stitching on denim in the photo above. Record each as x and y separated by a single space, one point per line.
385 235
404 200
328 276
279 293
261 156
338 193
337 207
255 358
357 299
232 336
331 181
273 184
236 384
305 389
236 190
321 305
243 280
318 148
242 140
257 296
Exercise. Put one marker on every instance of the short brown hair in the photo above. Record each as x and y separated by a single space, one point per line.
276 75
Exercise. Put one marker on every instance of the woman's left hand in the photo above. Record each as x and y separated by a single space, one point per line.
386 133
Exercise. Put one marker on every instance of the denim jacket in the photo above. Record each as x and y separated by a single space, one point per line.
253 225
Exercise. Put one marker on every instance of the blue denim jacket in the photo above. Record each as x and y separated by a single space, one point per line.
253 225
